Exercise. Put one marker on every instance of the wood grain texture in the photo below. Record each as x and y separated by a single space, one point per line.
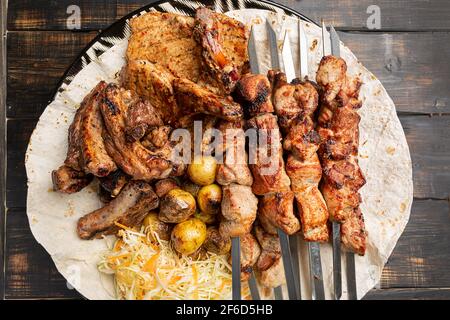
30 272
36 62
3 5
54 15
409 294
416 77
407 15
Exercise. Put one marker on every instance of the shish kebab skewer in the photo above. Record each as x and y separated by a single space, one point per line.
338 126
270 179
295 103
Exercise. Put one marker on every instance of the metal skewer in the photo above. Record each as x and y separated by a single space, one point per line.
236 268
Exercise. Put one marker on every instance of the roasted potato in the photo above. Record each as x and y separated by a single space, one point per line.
162 187
206 218
188 236
191 187
209 199
177 206
202 170
215 242
153 225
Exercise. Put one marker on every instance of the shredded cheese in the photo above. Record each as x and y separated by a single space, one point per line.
144 269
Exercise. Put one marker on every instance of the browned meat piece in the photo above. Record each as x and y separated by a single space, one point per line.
168 40
305 177
114 182
129 208
267 164
140 117
157 138
153 83
216 242
73 158
95 159
253 92
239 207
234 168
162 187
68 180
192 98
331 77
133 158
269 268
278 208
293 101
302 140
267 225
224 48
353 232
250 252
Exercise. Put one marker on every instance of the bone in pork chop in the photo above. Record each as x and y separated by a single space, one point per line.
129 209
68 180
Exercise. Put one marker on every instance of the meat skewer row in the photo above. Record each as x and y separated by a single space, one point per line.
295 105
275 209
338 127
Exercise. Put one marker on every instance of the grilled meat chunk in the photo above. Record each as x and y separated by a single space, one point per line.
192 98
162 187
157 138
353 232
239 207
331 77
73 158
224 48
216 242
269 267
278 208
133 158
268 170
153 83
168 40
68 180
250 252
253 91
94 156
139 118
129 208
114 182
234 168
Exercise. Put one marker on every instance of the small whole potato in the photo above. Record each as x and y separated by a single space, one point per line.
206 218
188 236
177 206
191 187
215 242
209 199
152 225
203 170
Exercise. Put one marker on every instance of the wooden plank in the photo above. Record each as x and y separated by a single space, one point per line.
420 259
30 272
409 294
57 15
3 7
36 62
408 15
416 77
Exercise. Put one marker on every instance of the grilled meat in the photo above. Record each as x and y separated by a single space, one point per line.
234 168
139 118
278 208
114 182
129 208
239 207
157 138
68 180
254 93
339 130
224 48
133 158
192 98
250 252
153 83
168 40
73 158
268 170
162 187
269 268
95 159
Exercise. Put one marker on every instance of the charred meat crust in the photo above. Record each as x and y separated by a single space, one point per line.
68 180
114 182
129 208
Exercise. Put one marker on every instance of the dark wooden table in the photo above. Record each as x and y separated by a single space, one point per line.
409 54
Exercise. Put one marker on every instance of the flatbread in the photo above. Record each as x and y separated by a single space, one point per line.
384 158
